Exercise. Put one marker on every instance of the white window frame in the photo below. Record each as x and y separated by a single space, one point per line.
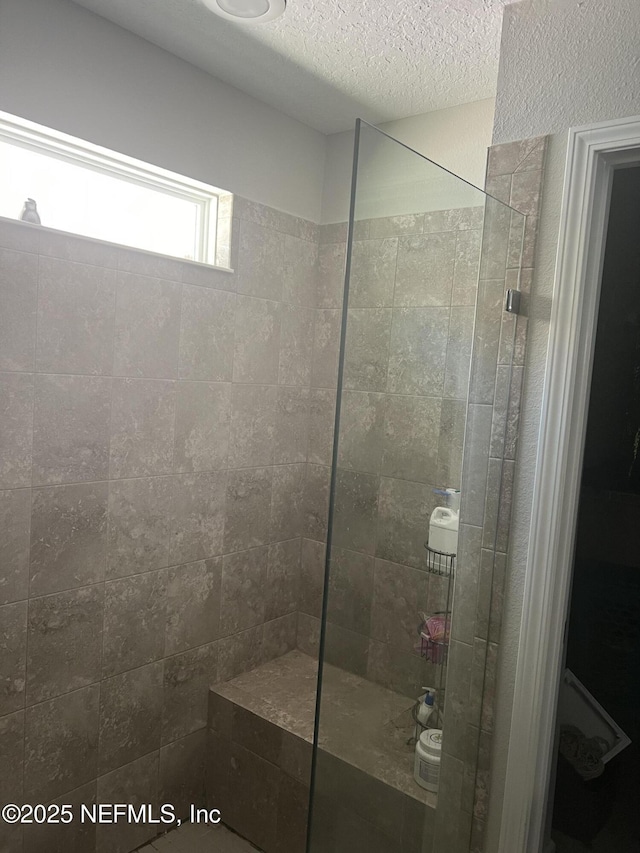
53 143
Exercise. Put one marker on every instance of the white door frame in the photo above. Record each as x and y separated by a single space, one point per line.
594 152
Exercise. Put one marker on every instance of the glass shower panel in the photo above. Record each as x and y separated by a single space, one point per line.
424 378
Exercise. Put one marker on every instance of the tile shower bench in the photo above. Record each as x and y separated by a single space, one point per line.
259 762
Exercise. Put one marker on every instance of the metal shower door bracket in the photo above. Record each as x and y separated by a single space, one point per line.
512 302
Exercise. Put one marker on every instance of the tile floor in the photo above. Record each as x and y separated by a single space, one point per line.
194 838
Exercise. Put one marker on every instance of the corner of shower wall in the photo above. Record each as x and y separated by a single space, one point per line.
322 401
515 173
276 293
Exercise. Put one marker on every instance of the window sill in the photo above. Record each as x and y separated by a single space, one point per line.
39 239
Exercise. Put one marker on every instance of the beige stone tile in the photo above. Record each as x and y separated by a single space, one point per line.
331 274
316 502
68 536
74 837
308 634
15 523
467 267
198 502
139 525
260 261
398 670
134 621
193 605
13 645
257 341
526 188
18 289
424 274
495 240
334 232
486 341
366 357
248 509
312 569
292 425
151 264
399 596
467 582
293 813
283 579
417 354
16 429
135 783
71 429
411 432
147 327
322 412
356 511
295 757
499 187
253 421
203 416
12 750
346 649
476 461
74 247
187 678
450 443
373 273
244 578
182 770
522 155
395 226
142 428
287 502
296 345
253 797
240 653
64 642
362 431
76 315
461 326
326 343
207 334
279 636
130 715
350 594
404 509
61 744
300 272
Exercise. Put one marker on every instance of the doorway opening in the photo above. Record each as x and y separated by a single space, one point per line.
594 803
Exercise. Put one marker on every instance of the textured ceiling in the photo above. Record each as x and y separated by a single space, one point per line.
327 61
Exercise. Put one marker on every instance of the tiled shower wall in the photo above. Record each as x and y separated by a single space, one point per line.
514 176
375 596
153 439
412 297
130 375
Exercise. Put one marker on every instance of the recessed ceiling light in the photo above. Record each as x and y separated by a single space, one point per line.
247 11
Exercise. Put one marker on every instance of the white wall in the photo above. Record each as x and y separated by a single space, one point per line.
66 68
456 138
69 69
563 63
